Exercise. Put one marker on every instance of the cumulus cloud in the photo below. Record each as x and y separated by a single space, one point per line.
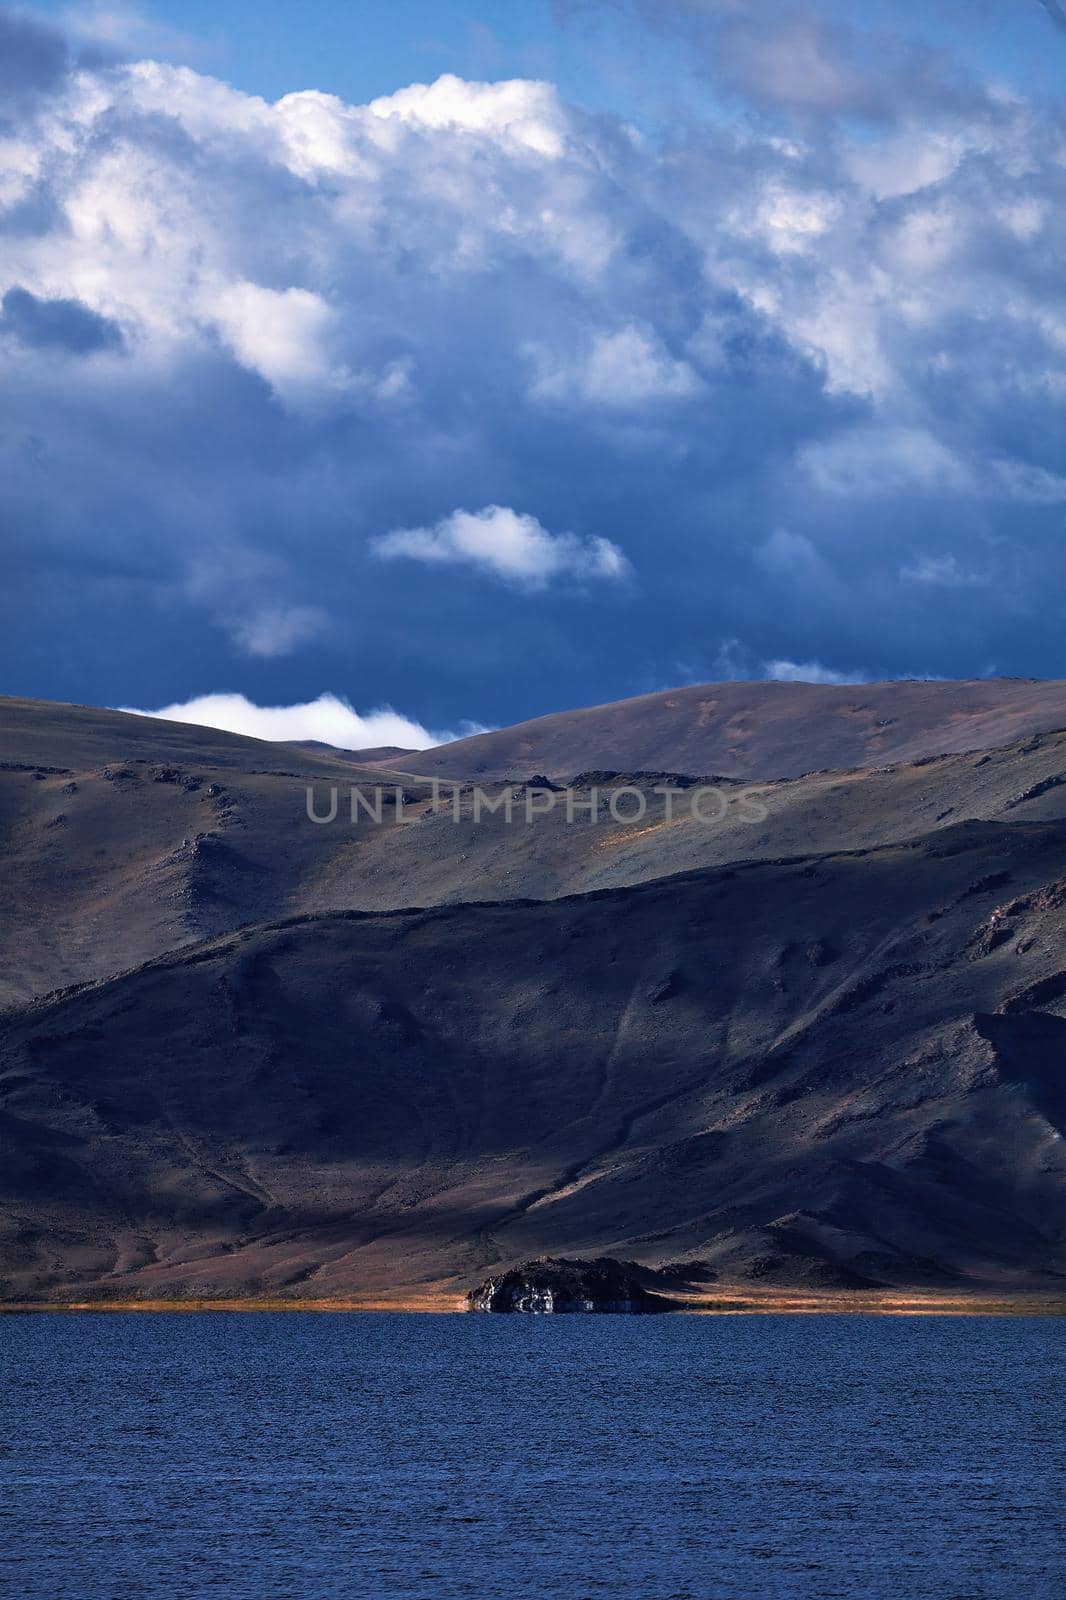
528 113
329 719
282 334
510 545
775 362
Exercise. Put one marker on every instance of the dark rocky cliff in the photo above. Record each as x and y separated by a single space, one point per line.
567 1286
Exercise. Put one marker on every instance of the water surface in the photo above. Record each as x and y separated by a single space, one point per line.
321 1456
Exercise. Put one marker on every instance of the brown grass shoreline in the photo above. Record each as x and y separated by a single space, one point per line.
725 1302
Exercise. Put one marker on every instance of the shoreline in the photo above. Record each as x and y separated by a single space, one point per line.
727 1302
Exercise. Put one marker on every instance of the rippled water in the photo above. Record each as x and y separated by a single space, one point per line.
322 1456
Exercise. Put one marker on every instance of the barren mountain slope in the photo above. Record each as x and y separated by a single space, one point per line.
106 865
124 836
760 730
49 733
845 1069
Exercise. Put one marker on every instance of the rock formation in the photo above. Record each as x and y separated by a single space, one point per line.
561 1285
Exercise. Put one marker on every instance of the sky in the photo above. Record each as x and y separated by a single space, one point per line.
376 372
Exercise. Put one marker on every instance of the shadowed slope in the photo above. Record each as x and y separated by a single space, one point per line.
837 1070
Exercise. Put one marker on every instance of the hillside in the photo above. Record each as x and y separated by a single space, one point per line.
124 836
839 1070
760 730
112 857
813 1045
49 733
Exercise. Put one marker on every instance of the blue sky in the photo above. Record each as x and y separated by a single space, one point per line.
359 49
636 343
355 50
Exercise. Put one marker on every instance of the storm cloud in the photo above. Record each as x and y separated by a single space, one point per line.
797 378
57 324
33 59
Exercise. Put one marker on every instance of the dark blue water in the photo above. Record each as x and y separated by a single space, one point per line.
378 1456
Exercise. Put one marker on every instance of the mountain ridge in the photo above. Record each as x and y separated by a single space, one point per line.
762 729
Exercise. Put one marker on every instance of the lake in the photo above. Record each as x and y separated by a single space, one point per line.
659 1458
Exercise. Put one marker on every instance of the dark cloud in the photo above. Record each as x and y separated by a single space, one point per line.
810 381
1055 12
57 324
33 59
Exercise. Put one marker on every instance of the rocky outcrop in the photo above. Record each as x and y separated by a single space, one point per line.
568 1286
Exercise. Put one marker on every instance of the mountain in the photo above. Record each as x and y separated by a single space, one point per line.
815 1041
123 838
48 734
760 730
841 1070
380 755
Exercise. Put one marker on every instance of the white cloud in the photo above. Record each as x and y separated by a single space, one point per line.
524 111
943 571
514 547
328 719
626 368
465 285
868 462
735 663
810 672
790 221
277 630
281 334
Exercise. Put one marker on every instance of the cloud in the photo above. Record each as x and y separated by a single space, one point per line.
809 672
735 662
625 368
1055 12
877 461
126 30
1029 484
511 546
800 61
57 324
943 571
329 719
774 346
284 335
277 630
33 58
529 114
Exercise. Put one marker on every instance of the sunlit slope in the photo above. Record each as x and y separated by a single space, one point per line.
761 730
110 859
